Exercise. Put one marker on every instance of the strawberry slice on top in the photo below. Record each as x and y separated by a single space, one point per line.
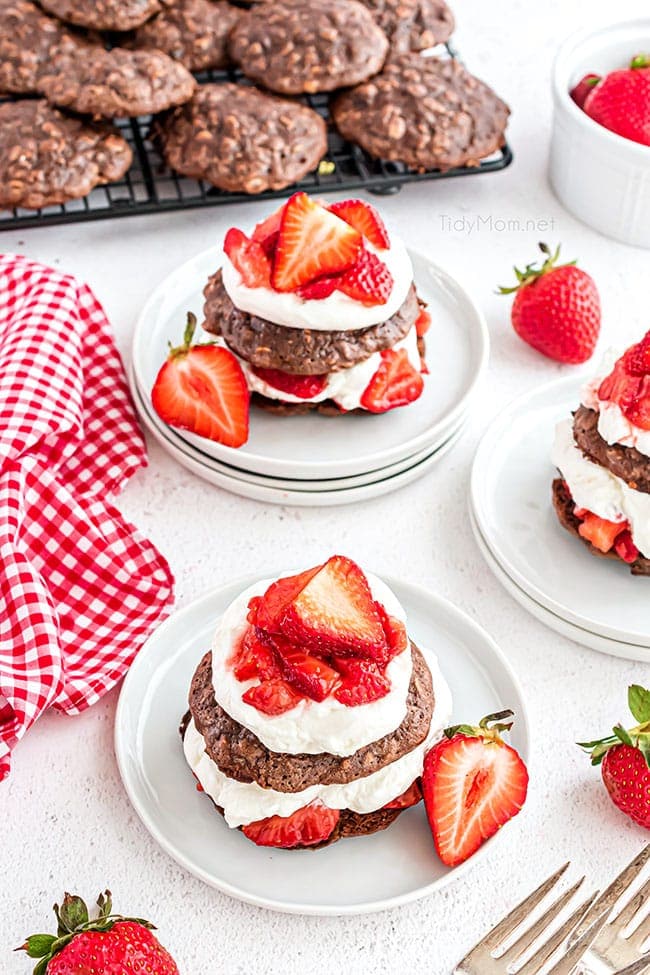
628 384
368 281
249 258
364 218
312 242
308 826
396 383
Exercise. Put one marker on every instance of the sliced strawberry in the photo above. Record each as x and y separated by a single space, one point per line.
625 547
362 682
638 412
394 631
305 387
202 388
472 784
318 289
411 797
267 232
335 613
396 383
253 659
364 218
313 242
308 826
272 605
368 281
422 323
637 359
272 697
308 675
601 533
580 91
249 258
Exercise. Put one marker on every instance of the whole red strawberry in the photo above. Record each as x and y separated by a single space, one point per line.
108 945
624 758
556 309
621 101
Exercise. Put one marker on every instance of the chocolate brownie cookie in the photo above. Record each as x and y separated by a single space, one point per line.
627 463
194 32
117 83
412 25
241 139
242 756
565 510
47 157
429 113
304 352
296 46
104 14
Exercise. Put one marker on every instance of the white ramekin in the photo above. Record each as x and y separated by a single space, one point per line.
600 177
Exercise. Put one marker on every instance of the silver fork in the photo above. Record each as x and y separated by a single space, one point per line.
481 959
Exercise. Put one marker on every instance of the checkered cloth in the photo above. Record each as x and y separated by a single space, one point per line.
80 588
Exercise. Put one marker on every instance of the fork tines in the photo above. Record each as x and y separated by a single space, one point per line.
616 889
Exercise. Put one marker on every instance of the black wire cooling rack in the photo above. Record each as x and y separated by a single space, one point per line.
151 187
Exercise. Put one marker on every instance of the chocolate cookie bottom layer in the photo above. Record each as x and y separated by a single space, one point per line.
565 510
627 463
303 352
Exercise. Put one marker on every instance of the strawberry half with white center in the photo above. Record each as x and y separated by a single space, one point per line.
628 385
364 218
202 388
107 945
624 758
621 101
396 383
472 784
308 826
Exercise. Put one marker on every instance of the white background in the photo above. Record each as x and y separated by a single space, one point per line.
66 821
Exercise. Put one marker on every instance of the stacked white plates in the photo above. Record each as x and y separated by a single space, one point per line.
594 601
314 459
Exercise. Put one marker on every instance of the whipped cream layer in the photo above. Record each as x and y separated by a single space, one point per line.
613 425
336 313
247 802
311 727
596 489
345 387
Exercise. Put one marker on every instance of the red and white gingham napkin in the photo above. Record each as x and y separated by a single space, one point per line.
80 588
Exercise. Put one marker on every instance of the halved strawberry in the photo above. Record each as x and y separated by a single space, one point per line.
368 281
625 547
267 232
270 608
249 258
601 533
305 387
202 388
410 797
308 675
396 383
272 697
422 322
362 682
472 784
312 242
364 218
318 289
308 826
253 659
335 613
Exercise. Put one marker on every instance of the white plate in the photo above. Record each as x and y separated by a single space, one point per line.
511 498
614 648
350 877
314 446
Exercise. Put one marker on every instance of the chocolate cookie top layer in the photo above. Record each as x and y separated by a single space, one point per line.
29 40
627 463
304 352
412 25
242 756
117 83
47 157
429 113
194 32
296 46
104 14
242 139
565 510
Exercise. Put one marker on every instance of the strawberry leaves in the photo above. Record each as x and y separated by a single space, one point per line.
638 699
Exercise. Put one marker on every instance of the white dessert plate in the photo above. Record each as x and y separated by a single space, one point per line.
614 648
511 499
354 876
313 446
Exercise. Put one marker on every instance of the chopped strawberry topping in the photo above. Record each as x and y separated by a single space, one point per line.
305 387
422 323
318 289
249 258
270 608
394 631
308 675
410 797
253 659
308 826
267 232
364 218
396 383
628 384
272 697
601 533
368 281
362 682
625 547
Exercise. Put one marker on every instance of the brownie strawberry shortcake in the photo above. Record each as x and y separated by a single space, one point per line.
319 306
310 716
603 456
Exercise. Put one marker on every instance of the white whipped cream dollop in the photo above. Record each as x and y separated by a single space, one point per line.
345 387
596 489
310 727
338 312
613 425
247 802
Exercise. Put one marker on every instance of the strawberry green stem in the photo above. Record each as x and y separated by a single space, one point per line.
531 272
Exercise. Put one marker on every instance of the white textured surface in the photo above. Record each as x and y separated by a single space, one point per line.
66 821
